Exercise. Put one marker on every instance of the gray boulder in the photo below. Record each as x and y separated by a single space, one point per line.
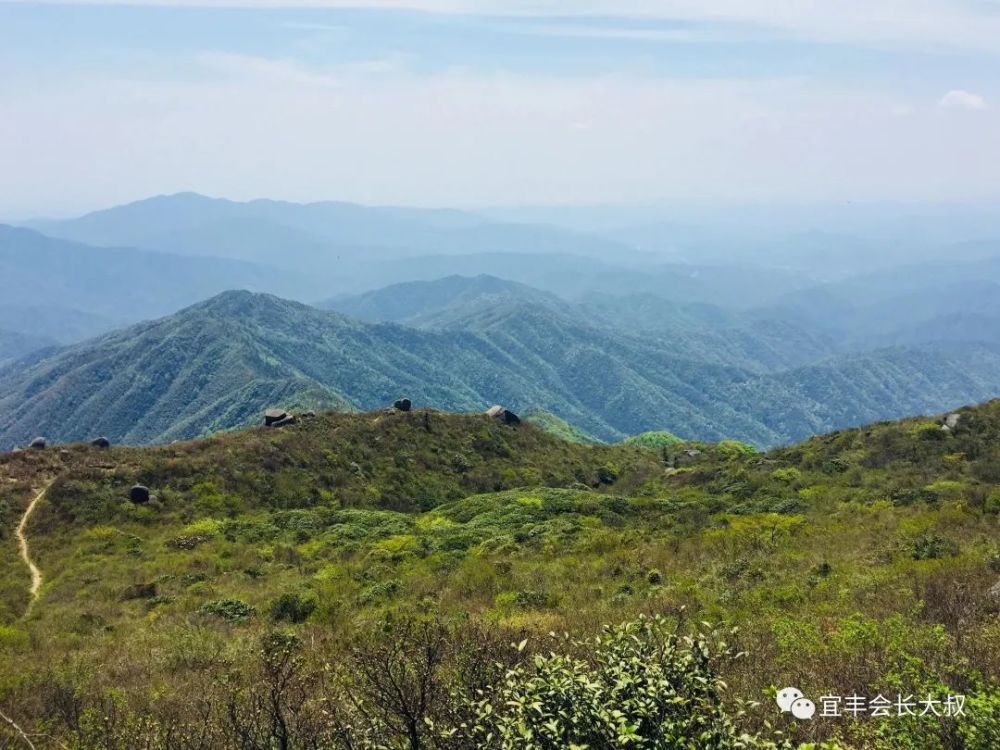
994 593
101 442
951 421
287 420
402 404
502 414
38 443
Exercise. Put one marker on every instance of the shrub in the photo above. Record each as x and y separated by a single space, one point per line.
788 475
607 474
291 607
231 610
380 591
932 547
980 728
734 449
638 685
532 599
932 433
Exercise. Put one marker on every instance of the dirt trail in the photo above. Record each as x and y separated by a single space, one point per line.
22 543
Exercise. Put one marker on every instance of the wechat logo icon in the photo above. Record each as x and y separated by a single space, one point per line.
791 700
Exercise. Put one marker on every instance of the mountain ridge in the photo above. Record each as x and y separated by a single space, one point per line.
217 364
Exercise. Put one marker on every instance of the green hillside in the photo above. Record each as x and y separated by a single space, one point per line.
436 303
219 364
654 439
280 577
558 427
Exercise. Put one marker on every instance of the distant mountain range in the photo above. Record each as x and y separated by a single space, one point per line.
350 247
313 235
14 345
217 364
65 291
459 310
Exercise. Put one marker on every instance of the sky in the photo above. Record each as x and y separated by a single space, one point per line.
470 103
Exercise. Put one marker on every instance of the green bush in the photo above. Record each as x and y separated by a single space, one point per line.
291 607
734 449
932 547
231 610
607 474
639 685
980 727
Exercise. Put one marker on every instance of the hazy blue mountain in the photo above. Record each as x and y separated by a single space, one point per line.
51 321
51 280
576 276
869 387
697 331
14 345
431 303
946 327
564 275
355 248
313 236
719 227
909 304
646 311
217 364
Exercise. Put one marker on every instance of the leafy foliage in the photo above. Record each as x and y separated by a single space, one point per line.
638 685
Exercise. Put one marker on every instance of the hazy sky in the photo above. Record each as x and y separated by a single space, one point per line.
470 103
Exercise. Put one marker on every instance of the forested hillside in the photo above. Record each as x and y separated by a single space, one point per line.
219 364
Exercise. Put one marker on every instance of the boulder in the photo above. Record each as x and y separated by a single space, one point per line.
101 442
951 421
501 414
274 415
139 591
38 443
289 419
402 404
994 593
139 494
308 414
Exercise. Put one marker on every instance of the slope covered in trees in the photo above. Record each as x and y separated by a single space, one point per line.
219 364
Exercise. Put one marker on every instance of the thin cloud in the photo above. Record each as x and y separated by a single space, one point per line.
960 99
884 23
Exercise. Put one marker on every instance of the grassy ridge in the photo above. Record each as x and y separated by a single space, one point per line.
857 561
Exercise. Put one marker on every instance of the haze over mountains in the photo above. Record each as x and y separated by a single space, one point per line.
765 341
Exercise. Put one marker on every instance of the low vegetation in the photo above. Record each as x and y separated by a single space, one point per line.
427 580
